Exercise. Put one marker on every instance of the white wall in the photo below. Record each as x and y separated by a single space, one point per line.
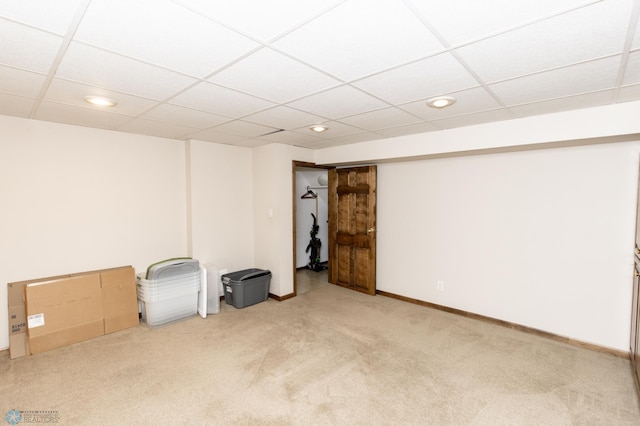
533 221
542 238
304 221
273 212
221 205
77 199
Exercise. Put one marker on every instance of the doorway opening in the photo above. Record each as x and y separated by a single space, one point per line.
310 227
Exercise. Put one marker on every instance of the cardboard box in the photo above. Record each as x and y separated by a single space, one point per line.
63 312
64 309
119 299
18 342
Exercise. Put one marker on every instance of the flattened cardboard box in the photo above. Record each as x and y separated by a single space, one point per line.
119 299
18 342
119 306
63 312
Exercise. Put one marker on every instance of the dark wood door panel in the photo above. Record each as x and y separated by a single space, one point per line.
352 222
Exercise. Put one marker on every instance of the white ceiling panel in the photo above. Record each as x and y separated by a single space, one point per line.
50 15
629 93
220 100
407 130
336 129
244 129
227 72
438 75
211 135
467 101
183 116
72 93
588 33
263 20
16 106
20 83
162 33
273 76
290 138
68 114
360 37
331 103
573 80
157 128
463 21
603 97
632 73
472 119
283 117
381 119
27 48
96 67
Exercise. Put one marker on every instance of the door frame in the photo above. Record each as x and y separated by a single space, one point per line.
294 198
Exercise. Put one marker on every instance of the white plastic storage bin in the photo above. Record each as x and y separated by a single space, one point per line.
170 298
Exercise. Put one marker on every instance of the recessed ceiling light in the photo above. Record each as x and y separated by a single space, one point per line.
441 101
100 101
319 128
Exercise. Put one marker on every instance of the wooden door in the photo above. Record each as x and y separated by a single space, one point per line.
352 228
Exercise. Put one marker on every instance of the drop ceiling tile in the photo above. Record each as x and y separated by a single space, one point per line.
356 39
438 75
467 101
604 97
289 138
472 119
50 15
336 129
632 73
283 117
211 135
162 33
72 93
27 48
339 102
407 130
636 39
244 129
157 128
629 93
273 76
220 100
69 114
573 80
552 43
260 19
96 67
20 83
16 106
462 21
381 119
183 116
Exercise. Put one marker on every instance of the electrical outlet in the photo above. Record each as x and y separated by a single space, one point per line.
440 285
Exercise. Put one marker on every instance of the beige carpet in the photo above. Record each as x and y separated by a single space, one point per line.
328 356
